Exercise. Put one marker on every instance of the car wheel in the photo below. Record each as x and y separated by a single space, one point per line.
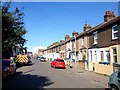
15 72
113 87
54 66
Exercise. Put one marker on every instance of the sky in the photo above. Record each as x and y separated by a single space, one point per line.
48 22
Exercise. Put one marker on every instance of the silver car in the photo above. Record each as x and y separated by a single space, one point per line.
114 81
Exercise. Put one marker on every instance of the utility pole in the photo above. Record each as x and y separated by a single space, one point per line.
75 52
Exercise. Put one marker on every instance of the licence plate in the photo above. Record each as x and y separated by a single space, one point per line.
60 65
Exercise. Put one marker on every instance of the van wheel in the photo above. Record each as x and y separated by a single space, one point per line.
113 87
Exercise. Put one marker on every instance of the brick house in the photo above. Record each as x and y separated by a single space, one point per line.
74 43
104 45
82 47
71 44
68 45
40 52
55 50
62 47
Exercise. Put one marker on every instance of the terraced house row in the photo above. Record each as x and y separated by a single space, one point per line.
95 49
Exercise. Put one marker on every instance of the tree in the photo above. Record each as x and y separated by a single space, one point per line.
13 29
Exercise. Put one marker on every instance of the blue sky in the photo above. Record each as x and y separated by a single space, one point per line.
48 22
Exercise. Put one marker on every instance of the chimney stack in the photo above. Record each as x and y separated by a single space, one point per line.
67 37
74 33
61 41
87 27
108 16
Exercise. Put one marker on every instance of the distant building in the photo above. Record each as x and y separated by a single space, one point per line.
40 52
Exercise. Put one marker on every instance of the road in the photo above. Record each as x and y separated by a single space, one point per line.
42 75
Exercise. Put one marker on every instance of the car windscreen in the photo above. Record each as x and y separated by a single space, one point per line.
118 74
5 63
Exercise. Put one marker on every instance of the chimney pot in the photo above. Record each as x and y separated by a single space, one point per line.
109 15
87 27
67 37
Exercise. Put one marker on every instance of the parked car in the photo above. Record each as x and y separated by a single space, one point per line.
8 68
58 63
38 57
43 59
30 55
114 81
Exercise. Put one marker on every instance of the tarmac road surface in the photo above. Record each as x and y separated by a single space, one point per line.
42 75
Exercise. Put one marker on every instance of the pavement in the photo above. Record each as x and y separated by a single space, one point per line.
94 76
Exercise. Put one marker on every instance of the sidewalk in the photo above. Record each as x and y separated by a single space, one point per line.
89 75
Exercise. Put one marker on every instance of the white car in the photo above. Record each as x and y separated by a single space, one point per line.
43 59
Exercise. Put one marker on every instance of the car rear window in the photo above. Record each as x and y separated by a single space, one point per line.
60 60
5 63
42 57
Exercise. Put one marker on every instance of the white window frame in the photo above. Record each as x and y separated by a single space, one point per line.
114 54
95 55
95 37
107 52
113 32
102 57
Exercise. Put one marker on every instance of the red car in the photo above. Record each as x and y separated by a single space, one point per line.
8 67
58 63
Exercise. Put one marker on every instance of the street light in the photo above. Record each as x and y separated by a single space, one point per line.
75 51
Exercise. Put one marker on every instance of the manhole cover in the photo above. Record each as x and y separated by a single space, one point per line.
80 72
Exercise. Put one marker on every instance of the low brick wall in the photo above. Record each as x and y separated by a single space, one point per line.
103 69
81 65
90 66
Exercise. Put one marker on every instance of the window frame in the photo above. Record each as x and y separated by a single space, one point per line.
115 55
83 41
102 56
113 32
108 55
95 37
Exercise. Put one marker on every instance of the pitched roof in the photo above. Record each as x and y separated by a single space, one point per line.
103 24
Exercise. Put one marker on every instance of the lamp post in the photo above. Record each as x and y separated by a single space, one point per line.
75 51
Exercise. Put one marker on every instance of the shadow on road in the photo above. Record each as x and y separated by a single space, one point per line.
19 66
23 81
